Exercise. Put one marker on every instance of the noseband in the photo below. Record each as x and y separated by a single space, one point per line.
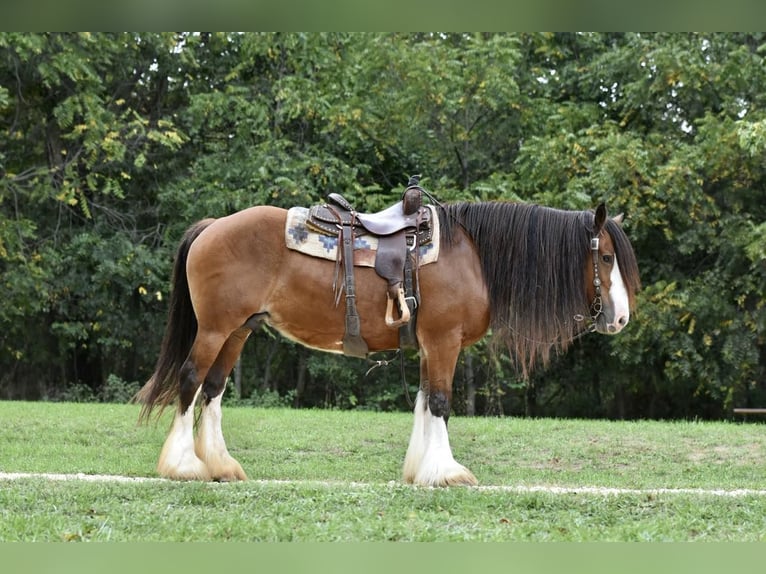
597 306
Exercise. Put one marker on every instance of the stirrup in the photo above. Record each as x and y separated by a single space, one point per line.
403 307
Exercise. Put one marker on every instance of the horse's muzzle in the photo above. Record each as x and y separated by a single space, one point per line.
607 327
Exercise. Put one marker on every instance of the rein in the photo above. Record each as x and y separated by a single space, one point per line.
384 363
597 306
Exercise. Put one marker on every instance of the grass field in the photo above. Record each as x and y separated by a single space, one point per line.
329 475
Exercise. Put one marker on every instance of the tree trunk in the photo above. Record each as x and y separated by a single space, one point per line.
266 385
300 382
530 399
619 397
238 378
470 385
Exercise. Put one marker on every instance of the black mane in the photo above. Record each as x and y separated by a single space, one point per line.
533 259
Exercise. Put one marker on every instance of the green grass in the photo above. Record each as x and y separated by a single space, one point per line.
359 455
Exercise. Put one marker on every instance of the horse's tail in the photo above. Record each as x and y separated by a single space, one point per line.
164 385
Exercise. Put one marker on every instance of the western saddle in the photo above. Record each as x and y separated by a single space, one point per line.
401 229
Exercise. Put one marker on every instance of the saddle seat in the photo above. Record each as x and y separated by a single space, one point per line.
404 215
400 230
385 222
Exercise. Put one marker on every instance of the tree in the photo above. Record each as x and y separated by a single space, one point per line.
84 142
113 144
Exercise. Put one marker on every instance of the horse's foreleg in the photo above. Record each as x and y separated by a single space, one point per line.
210 445
429 459
417 446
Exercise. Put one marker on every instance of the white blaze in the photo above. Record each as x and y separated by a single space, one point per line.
618 295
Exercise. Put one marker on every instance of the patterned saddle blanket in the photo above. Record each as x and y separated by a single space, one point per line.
299 237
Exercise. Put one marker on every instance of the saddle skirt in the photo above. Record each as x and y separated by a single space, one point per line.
302 238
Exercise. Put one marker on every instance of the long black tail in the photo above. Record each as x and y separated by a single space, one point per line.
164 385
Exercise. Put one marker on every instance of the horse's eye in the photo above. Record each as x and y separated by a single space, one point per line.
607 259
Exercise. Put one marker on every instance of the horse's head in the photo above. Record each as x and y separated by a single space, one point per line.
612 274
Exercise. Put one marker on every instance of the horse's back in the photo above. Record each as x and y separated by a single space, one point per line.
229 239
257 219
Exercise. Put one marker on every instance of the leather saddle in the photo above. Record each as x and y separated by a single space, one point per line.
326 218
401 229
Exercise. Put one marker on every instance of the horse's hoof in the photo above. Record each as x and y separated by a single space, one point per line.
226 470
191 469
456 476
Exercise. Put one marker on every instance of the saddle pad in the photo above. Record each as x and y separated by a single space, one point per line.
300 238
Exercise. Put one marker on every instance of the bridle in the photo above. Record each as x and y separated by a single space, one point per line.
597 306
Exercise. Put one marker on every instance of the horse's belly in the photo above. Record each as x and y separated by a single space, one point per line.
309 328
304 309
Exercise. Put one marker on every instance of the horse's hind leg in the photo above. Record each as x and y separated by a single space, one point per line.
429 459
178 459
210 445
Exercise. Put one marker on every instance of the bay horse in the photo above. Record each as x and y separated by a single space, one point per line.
538 277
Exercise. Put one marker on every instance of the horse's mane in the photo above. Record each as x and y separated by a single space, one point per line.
533 260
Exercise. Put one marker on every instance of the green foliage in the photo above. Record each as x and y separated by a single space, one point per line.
113 144
114 390
264 399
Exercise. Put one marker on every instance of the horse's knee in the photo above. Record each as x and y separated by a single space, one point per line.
438 404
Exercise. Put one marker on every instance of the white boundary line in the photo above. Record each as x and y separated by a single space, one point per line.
520 489
77 476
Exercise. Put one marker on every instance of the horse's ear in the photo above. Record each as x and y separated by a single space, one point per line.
619 218
600 219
